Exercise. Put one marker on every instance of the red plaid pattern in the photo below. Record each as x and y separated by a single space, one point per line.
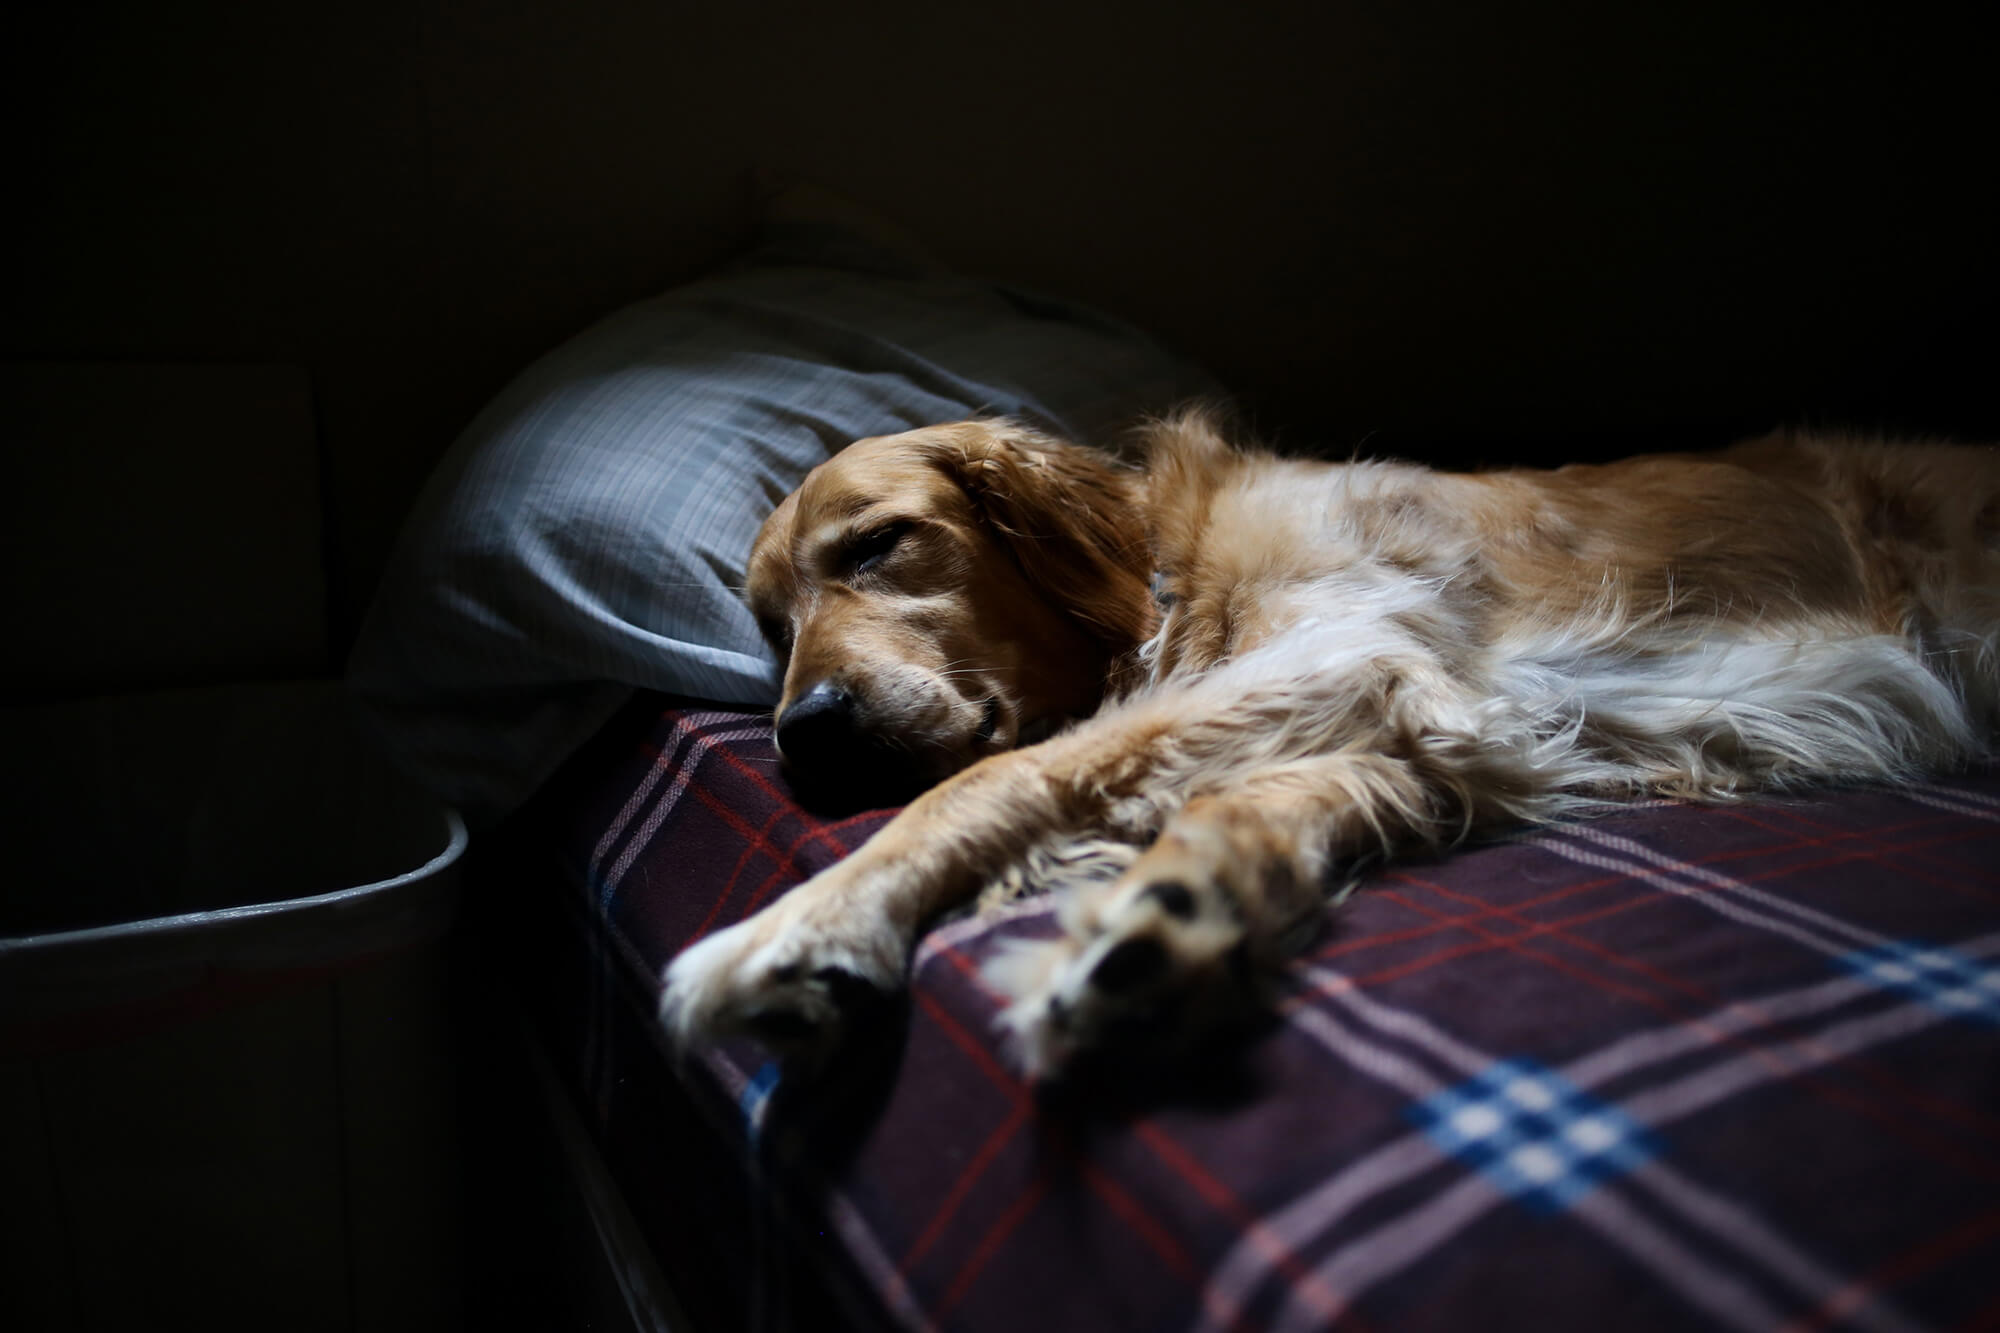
1666 1068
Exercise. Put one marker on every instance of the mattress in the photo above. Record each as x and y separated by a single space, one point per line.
1666 1067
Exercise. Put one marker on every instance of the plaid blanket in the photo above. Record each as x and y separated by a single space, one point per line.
1665 1068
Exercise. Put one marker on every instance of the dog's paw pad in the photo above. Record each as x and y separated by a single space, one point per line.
1176 899
1168 954
1130 965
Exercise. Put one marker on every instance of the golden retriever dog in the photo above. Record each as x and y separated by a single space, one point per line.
1287 669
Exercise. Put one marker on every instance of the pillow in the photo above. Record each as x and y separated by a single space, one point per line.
587 534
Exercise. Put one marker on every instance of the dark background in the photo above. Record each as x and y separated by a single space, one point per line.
1464 231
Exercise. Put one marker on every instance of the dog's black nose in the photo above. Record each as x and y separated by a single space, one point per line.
818 730
835 760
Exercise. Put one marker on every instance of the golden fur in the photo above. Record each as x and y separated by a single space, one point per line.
1290 667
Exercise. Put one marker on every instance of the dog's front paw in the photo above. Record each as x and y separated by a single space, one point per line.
790 977
1162 956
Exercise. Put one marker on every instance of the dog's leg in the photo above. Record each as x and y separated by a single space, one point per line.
1250 857
786 975
1233 885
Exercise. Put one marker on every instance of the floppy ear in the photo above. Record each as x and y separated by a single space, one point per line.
1188 459
1074 518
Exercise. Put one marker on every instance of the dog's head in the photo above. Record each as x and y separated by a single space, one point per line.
942 595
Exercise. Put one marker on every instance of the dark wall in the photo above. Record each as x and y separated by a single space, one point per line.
1478 230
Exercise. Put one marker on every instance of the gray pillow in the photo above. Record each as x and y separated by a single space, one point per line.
586 535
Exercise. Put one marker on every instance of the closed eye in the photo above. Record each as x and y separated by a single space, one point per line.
777 633
872 548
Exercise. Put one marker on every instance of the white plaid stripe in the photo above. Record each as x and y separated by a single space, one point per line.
1975 804
1752 1068
1333 1286
1965 794
970 929
682 752
875 1266
1716 1292
1720 1216
1656 1046
685 726
1378 1062
1685 879
699 746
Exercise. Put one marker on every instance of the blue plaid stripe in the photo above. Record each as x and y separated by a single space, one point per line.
1543 1141
1943 978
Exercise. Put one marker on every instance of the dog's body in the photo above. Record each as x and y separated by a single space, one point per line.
1308 665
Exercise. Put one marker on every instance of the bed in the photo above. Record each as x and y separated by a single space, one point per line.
1662 1067
1667 1067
